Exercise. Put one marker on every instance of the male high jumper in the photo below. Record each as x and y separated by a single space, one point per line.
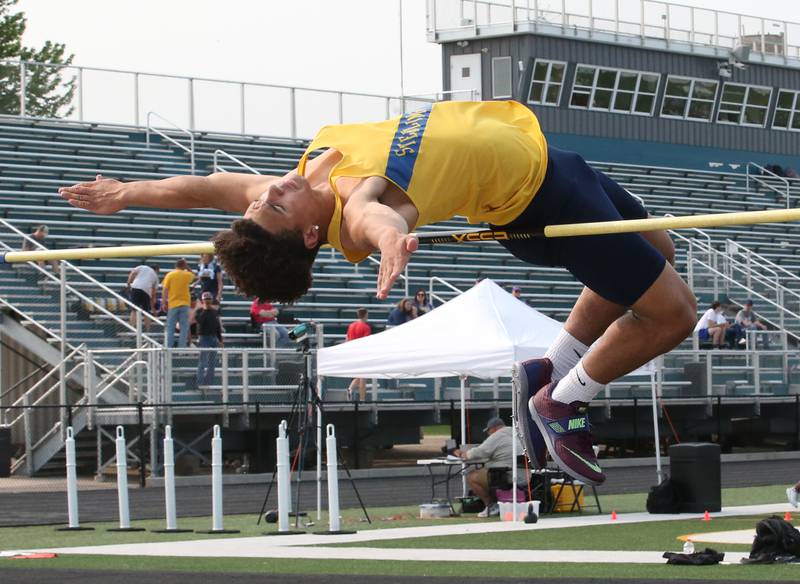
373 183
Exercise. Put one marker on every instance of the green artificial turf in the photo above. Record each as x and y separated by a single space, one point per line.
651 535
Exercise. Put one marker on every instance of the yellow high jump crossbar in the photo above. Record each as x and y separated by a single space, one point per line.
465 236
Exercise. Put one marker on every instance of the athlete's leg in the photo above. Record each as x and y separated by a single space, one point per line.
660 320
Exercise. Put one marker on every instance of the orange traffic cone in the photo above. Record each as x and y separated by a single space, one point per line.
706 516
787 517
613 516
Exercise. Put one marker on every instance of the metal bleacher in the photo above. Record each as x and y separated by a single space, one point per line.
36 157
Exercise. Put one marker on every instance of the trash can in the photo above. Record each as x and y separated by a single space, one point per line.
5 451
695 469
696 375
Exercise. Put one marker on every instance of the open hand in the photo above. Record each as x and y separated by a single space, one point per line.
396 250
102 196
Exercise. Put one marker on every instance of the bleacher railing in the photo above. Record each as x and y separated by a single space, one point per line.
644 19
173 127
117 96
757 180
217 167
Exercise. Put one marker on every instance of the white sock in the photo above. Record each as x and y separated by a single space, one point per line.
565 352
577 386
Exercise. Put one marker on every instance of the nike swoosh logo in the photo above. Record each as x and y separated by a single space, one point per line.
591 465
578 354
579 378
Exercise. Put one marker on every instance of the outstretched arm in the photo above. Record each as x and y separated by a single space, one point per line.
374 225
226 191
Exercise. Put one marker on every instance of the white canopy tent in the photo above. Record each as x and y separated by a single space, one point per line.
480 333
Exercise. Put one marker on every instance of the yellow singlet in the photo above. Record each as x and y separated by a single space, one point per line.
484 160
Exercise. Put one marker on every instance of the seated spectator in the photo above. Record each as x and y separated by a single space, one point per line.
496 452
264 313
401 314
516 292
39 235
712 325
421 303
746 320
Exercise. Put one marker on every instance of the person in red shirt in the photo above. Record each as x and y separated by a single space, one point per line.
357 329
264 313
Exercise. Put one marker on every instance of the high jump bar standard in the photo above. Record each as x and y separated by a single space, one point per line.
464 236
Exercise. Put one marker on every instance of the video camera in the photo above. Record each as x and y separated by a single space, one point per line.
300 333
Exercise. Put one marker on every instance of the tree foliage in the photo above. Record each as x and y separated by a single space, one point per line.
48 93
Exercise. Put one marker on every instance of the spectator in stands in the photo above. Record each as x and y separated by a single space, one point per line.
176 300
39 235
421 303
373 183
495 452
142 289
264 313
209 274
516 292
192 321
355 330
746 320
401 314
209 335
712 325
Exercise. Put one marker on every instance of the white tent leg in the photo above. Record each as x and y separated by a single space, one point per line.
463 434
514 455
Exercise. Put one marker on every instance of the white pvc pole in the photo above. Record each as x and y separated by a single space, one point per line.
656 434
216 480
333 480
284 486
122 479
72 481
169 479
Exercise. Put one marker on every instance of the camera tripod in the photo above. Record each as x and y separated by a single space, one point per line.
307 409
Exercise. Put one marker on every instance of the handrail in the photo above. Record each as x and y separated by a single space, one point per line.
218 168
55 368
776 267
433 279
95 282
764 183
151 128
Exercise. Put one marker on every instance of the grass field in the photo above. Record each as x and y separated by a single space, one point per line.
612 536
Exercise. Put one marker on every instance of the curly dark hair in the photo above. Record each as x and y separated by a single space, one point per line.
269 266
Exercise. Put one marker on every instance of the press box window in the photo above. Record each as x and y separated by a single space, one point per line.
547 81
787 111
689 99
745 105
501 77
615 90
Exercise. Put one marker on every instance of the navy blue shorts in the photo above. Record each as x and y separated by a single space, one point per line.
619 267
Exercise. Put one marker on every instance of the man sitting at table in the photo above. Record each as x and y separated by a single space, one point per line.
495 451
